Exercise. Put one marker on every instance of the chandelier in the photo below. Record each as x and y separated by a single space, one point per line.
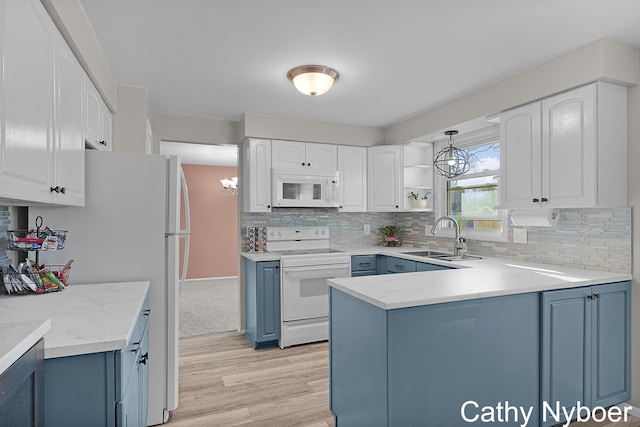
230 186
451 161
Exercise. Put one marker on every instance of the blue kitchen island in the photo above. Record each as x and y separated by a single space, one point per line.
497 343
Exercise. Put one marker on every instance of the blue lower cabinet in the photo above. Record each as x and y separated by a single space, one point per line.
262 303
364 265
22 391
100 389
400 265
381 264
418 366
585 347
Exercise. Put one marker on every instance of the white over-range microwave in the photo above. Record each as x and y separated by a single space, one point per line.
308 191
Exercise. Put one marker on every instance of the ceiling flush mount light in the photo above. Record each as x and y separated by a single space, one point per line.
451 161
313 80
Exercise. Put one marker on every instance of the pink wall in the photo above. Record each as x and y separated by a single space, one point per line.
214 222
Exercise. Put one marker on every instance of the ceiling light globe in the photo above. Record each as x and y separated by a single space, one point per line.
313 80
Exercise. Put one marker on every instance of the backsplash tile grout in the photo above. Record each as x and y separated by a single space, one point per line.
597 239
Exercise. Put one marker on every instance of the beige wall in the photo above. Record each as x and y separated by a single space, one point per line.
601 60
70 18
270 127
130 122
167 127
214 242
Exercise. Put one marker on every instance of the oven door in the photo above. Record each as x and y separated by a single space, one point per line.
305 293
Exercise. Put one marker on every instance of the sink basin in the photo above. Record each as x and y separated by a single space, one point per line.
463 257
427 253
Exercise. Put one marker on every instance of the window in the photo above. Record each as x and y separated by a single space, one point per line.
472 198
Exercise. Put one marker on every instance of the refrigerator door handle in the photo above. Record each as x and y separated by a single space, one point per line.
185 233
185 198
185 261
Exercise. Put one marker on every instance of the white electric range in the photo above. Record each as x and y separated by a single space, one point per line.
306 262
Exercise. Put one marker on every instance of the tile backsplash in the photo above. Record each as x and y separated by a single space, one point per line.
4 226
597 239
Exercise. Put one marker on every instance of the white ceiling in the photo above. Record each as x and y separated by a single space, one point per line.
222 58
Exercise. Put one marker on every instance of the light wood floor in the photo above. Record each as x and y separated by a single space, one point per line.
224 383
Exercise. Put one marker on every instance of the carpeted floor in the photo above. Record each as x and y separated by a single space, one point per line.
209 307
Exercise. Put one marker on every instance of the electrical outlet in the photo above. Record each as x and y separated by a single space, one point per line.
519 235
367 230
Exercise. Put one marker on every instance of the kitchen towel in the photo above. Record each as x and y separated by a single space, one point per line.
535 217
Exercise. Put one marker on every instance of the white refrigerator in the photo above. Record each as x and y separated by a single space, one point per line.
129 230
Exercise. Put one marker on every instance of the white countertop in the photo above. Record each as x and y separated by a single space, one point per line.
261 256
488 277
17 338
83 318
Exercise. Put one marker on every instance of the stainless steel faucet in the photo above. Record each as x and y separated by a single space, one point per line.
459 244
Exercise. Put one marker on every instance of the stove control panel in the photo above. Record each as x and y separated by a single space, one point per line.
275 234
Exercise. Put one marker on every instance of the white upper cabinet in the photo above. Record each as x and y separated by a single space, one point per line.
255 185
68 153
26 101
352 175
41 148
304 156
521 156
97 119
384 178
566 151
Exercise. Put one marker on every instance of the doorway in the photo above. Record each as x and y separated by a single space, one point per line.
209 298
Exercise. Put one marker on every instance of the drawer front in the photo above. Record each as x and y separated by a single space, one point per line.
363 262
398 265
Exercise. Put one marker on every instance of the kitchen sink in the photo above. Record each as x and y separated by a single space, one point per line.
463 257
443 256
427 253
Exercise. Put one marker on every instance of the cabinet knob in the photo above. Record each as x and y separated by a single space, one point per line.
308 164
144 358
268 206
302 163
544 199
63 190
535 200
103 142
147 311
396 206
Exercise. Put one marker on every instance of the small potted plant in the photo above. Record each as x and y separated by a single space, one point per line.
417 201
390 235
